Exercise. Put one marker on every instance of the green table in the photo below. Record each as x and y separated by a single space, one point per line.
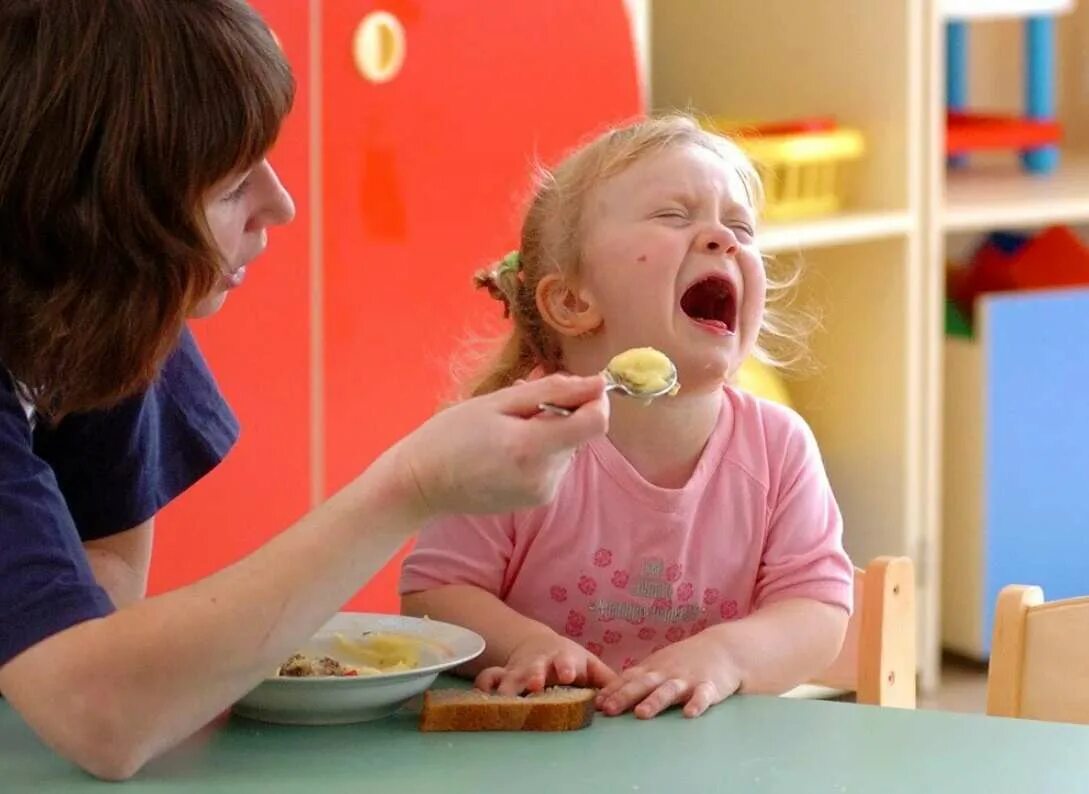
746 744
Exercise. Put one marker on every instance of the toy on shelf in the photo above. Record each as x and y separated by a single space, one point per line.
956 323
799 162
1036 134
1053 259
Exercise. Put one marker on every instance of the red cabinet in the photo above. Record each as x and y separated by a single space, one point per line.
259 350
423 178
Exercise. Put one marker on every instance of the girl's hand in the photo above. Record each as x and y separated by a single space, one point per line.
698 672
545 659
498 452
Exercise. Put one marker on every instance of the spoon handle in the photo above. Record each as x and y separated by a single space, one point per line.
559 410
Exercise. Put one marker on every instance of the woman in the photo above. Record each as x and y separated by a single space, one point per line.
133 193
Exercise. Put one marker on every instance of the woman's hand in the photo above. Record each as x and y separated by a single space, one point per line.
498 452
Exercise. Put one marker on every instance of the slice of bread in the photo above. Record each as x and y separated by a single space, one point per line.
554 709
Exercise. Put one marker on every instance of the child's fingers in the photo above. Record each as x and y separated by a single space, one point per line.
566 668
633 690
599 674
612 688
512 683
703 697
526 678
488 679
537 676
672 691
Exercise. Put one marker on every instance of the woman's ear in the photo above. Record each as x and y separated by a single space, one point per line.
567 310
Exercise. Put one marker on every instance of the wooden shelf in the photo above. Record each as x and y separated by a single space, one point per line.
840 229
1004 196
993 9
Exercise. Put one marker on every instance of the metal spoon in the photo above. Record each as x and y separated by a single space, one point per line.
617 385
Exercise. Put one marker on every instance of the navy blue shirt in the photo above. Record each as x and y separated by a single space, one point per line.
93 475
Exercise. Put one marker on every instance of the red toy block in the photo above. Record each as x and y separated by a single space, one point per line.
1055 258
988 271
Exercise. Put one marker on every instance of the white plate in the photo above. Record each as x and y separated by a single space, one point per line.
341 700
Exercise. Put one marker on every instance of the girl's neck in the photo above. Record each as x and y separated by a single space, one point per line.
663 441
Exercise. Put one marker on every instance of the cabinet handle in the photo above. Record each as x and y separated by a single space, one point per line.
378 46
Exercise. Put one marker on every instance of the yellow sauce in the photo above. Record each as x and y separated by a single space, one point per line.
644 369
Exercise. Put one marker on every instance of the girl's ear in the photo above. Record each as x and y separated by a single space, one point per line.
568 310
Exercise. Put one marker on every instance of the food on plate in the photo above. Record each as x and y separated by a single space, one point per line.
374 654
384 652
302 666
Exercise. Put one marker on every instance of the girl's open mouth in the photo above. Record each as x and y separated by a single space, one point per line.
711 303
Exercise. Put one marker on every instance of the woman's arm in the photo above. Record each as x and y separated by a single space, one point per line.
113 692
120 562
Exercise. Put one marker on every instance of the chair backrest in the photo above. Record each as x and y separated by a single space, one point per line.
1039 666
877 661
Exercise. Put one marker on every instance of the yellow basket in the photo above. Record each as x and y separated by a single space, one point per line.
800 171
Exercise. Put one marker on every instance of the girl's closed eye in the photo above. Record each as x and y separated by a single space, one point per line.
744 231
673 213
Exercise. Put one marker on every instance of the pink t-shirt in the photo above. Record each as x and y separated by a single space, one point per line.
625 567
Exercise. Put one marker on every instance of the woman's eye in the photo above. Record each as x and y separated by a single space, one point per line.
238 192
673 214
742 230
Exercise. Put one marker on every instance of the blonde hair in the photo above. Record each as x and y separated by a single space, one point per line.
551 240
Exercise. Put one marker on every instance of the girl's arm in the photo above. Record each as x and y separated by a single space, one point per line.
774 649
783 644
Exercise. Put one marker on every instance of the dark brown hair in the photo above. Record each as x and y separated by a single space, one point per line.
116 118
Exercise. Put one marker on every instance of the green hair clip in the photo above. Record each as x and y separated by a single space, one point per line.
511 263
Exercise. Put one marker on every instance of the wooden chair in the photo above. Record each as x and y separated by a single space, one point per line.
1039 667
877 662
